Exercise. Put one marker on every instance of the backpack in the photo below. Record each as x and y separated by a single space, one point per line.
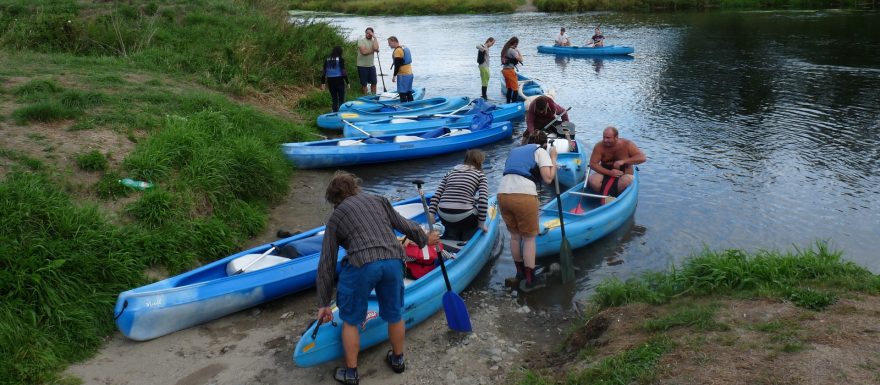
481 56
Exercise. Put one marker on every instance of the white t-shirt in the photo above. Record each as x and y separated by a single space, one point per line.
518 184
562 39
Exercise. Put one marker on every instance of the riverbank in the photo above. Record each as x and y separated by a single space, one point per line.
432 7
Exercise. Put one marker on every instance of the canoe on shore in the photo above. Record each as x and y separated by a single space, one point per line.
587 224
422 298
366 150
586 51
406 124
217 289
333 120
378 101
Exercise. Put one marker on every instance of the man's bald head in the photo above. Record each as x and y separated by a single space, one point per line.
609 136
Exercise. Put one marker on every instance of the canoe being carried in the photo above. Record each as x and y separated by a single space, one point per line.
333 120
422 298
217 289
595 220
406 123
379 101
586 51
365 150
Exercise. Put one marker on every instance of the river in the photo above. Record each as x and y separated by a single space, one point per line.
762 129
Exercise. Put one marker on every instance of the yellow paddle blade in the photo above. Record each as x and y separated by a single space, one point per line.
551 223
348 115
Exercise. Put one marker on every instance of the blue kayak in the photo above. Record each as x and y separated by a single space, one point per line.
333 120
405 124
586 219
588 51
217 289
365 150
378 101
422 299
528 87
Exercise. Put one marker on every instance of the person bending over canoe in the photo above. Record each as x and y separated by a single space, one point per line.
364 225
403 74
613 159
462 198
562 39
541 111
526 166
598 40
510 57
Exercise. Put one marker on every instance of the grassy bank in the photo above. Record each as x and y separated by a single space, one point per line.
719 309
680 5
407 7
194 97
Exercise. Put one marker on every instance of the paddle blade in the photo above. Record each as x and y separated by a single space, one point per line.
579 209
456 313
565 262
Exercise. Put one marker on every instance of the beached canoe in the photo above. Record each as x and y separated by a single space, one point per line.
422 298
587 51
333 120
216 289
366 150
528 86
378 101
587 224
406 124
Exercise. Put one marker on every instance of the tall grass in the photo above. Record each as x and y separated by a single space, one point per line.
798 276
407 7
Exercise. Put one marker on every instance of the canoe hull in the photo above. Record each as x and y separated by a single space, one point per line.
369 102
573 166
389 127
529 87
587 51
422 299
327 154
583 229
333 120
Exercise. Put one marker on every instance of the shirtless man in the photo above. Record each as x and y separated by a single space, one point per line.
613 159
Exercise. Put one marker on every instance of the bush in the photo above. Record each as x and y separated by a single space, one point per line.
43 112
92 161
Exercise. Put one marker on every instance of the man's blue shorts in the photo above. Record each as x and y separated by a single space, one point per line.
404 83
355 285
367 75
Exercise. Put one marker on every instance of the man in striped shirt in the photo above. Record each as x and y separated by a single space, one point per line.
364 225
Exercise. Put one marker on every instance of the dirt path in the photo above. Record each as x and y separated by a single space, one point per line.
255 346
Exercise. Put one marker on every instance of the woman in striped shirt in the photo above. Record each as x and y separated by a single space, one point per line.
462 198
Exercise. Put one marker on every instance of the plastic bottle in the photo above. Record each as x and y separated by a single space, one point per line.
136 184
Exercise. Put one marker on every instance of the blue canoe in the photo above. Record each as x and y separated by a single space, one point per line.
528 86
572 165
365 150
422 299
215 290
333 120
595 220
587 51
385 99
405 124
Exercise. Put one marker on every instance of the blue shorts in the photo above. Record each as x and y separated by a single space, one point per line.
404 83
355 285
367 75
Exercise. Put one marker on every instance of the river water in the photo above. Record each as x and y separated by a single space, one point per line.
762 129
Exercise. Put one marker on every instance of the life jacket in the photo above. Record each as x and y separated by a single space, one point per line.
407 55
481 56
333 67
420 261
521 161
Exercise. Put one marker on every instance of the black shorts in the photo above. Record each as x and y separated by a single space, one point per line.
367 75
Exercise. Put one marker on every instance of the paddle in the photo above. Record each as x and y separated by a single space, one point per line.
565 257
425 116
357 128
381 75
456 313
239 271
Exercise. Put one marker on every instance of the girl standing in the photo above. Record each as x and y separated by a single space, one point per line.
334 77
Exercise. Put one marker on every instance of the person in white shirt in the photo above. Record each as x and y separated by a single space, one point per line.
562 39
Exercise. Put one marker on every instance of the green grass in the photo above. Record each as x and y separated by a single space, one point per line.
44 112
411 7
645 5
699 317
736 273
92 161
22 159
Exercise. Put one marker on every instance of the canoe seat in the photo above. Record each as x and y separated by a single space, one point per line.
459 132
402 120
406 138
374 141
268 261
350 142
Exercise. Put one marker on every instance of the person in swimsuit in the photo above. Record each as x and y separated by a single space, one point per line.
613 159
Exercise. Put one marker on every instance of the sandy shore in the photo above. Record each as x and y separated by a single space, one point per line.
255 346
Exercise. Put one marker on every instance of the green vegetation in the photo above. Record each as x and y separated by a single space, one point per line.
676 5
698 317
407 7
161 75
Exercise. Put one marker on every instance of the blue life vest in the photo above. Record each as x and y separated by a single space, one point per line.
521 161
333 68
407 56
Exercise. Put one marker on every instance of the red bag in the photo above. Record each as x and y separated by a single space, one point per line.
420 261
